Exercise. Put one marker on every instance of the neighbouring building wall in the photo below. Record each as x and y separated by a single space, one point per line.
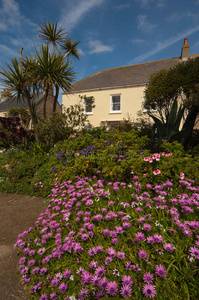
131 99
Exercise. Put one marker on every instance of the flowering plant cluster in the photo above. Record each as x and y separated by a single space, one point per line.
100 239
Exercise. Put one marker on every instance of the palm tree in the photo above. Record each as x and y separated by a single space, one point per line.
15 77
51 71
58 37
50 34
17 80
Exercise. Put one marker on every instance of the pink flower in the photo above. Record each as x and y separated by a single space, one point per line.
156 172
181 175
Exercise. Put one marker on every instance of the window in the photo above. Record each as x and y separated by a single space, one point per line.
115 103
88 105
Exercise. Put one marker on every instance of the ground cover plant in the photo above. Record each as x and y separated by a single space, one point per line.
104 239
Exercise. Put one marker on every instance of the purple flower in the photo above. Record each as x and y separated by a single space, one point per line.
108 260
142 254
194 251
140 236
126 291
43 270
126 280
67 273
121 255
111 288
86 277
148 277
160 270
55 282
63 287
41 251
169 247
149 290
96 280
100 271
35 270
83 293
103 283
146 227
43 297
111 252
53 296
31 262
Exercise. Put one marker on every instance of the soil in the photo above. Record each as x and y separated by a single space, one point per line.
17 214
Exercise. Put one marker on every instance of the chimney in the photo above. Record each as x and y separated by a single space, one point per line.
185 50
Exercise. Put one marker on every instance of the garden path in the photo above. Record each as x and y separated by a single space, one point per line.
17 214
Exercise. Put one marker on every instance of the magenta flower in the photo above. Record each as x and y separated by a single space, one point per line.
160 270
53 296
169 247
121 255
126 280
142 254
126 291
111 288
146 227
194 251
148 277
156 172
63 287
67 273
103 283
149 290
43 297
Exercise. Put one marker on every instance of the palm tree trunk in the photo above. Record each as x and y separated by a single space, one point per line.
55 99
45 100
33 119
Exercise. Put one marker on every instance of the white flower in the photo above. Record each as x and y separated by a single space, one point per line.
71 277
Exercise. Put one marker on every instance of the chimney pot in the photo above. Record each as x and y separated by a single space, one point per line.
185 41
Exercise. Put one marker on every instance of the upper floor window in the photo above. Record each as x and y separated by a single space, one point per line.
88 106
88 103
115 103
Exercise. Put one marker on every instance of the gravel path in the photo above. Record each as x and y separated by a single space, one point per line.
17 214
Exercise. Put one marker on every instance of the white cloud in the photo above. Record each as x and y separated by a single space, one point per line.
9 52
138 41
74 11
97 47
122 6
147 3
144 24
178 16
163 45
11 17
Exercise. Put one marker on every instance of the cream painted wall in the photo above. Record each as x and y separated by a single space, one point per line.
3 114
131 103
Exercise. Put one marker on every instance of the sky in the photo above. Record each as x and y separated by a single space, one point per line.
112 33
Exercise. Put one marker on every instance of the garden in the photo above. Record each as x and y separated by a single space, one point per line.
121 220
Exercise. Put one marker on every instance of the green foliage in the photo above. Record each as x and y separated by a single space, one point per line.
170 130
53 129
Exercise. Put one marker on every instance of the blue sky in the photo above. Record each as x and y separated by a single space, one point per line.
112 33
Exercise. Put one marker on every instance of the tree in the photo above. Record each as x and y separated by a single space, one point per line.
172 100
51 34
51 71
24 77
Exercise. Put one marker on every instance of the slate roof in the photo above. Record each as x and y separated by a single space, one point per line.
7 104
132 75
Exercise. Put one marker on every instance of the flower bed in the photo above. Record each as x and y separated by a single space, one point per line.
100 239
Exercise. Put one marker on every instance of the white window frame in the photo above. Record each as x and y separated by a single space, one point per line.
111 104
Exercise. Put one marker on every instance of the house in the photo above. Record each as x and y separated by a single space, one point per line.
6 104
119 92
